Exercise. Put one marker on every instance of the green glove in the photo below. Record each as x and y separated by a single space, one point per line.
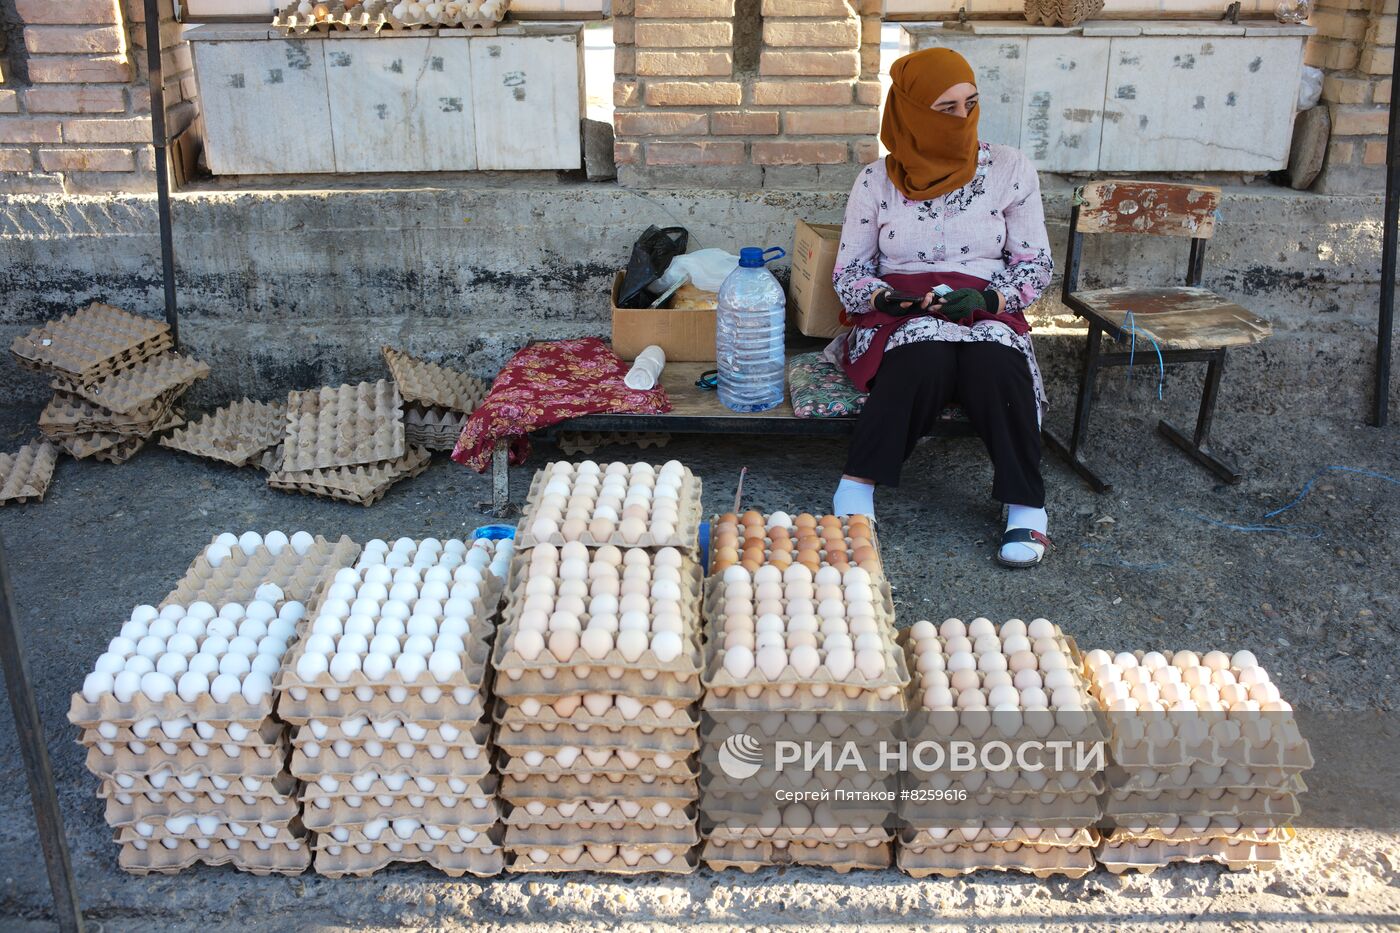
962 302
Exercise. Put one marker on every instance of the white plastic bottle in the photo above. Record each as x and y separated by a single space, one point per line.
749 334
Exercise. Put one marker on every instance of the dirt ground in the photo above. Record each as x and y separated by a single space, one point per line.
1155 564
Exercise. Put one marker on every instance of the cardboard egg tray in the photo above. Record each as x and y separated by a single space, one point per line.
466 763
951 861
683 767
1204 830
749 856
714 599
451 790
138 386
108 709
596 673
718 565
169 856
1029 834
721 791
238 577
433 385
646 790
432 428
227 809
125 450
530 835
864 827
72 415
817 696
265 762
398 735
1198 777
581 722
349 425
459 705
1273 806
173 735
334 860
819 726
91 343
609 813
157 785
635 860
372 16
1283 748
237 434
422 835
1082 808
361 485
686 538
691 574
25 475
463 813
677 682
188 828
1146 856
1014 781
115 447
525 738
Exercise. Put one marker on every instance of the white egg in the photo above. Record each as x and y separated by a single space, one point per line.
410 666
125 685
96 685
224 688
738 661
377 665
109 663
667 646
249 542
216 554
235 664
256 687
301 542
344 665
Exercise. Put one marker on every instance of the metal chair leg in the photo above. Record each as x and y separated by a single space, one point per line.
1082 408
1198 447
35 753
500 479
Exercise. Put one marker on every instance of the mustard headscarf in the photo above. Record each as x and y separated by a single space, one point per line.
931 153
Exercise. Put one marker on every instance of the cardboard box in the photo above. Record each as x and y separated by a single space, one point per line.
812 300
686 336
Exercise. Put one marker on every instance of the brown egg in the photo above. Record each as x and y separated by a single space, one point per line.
726 555
858 521
728 538
752 519
811 562
862 553
871 567
782 560
720 566
750 564
805 520
838 560
728 519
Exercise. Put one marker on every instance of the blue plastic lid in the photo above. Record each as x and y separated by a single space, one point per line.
755 257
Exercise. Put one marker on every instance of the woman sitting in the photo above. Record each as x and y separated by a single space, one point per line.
943 209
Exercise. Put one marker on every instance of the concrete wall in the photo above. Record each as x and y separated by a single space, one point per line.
285 290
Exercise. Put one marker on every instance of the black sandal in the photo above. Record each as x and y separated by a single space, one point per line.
1024 536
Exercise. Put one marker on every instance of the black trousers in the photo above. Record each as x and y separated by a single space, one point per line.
918 380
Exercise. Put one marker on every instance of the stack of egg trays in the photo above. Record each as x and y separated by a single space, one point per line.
194 782
1041 821
1197 787
299 566
398 770
570 814
744 827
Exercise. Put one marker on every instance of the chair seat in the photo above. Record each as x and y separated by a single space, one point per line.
1176 318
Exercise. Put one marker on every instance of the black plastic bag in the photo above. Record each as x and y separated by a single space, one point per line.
651 255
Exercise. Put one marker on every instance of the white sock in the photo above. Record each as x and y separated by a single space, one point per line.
1025 516
853 498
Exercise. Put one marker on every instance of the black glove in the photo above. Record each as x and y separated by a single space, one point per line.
897 305
962 302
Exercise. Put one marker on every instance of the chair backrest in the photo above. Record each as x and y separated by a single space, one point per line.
1150 207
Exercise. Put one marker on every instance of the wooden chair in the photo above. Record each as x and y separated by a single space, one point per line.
1187 324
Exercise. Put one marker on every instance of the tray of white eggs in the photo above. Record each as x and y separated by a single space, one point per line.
539 833
601 711
570 787
749 856
828 726
636 505
205 664
1180 708
263 761
479 811
391 789
606 857
520 738
998 832
168 856
954 859
1147 855
637 809
209 827
797 821
232 567
173 734
405 735
310 759
821 644
1201 827
124 808
597 762
334 860
163 784
1166 807
413 831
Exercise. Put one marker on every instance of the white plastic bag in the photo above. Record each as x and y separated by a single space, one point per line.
707 268
1310 88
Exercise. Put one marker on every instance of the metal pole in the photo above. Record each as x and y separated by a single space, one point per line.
1386 325
160 140
36 763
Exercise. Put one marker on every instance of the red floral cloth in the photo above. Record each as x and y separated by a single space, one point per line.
544 384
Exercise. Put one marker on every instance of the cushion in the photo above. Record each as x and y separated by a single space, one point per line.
820 389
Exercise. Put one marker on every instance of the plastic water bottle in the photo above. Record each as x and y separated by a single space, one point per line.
749 334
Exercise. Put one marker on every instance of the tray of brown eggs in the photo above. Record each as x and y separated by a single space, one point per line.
753 539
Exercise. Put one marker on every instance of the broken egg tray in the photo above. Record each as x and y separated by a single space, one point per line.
227 810
237 434
433 811
841 858
570 788
134 388
539 835
267 733
358 485
1148 856
612 815
467 764
877 575
334 860
980 835
1273 806
513 718
265 763
140 858
474 735
91 342
1081 808
686 539
348 425
463 706
682 862
236 579
432 384
683 768
25 475
1198 777
951 861
537 738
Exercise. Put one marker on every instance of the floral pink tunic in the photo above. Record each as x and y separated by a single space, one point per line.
993 227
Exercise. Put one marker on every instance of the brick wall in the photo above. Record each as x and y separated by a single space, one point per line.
75 105
771 93
1355 45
